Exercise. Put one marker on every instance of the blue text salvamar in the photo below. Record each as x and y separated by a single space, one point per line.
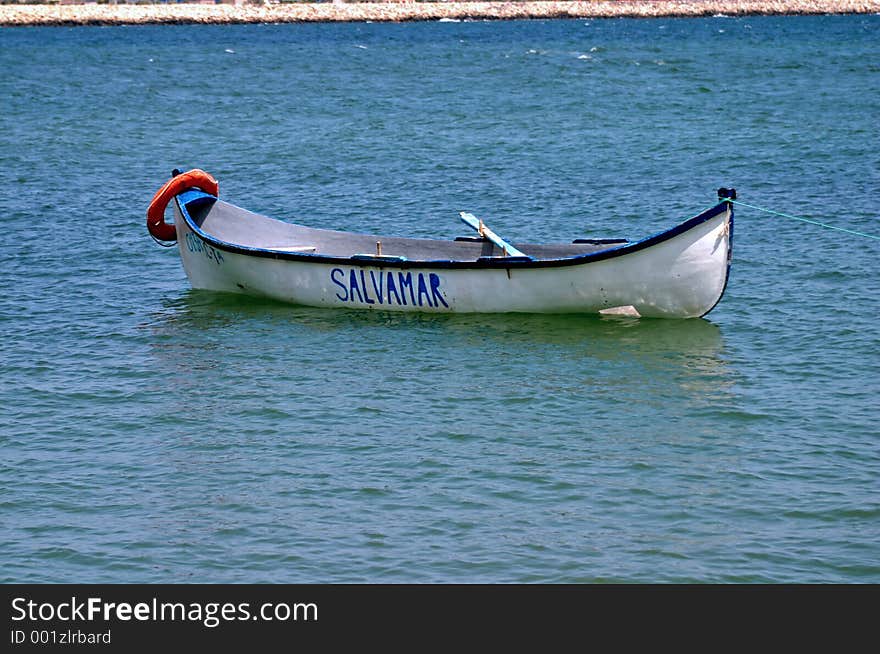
387 287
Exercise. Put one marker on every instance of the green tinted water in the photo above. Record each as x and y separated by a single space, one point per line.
152 433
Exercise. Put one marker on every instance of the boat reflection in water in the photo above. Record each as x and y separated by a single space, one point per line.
617 357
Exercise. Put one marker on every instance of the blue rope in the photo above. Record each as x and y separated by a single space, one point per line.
806 220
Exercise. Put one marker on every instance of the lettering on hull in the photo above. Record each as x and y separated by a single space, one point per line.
388 288
196 246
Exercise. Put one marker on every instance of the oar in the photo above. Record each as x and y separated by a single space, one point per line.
485 232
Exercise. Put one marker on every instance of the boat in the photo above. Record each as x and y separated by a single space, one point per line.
681 272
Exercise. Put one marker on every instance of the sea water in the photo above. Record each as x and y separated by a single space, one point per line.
151 433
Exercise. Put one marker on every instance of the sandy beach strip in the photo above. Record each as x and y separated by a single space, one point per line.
126 14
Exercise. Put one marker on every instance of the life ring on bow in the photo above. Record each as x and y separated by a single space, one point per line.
194 178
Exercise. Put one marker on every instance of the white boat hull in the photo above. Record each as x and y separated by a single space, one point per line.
681 275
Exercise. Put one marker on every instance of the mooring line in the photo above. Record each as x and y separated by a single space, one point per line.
806 220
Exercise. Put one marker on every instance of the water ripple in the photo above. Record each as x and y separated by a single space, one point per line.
152 433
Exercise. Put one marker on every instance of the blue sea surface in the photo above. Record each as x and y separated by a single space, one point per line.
151 433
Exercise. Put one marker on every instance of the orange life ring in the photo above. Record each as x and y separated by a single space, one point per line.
194 178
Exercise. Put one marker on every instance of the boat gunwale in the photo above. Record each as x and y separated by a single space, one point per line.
624 249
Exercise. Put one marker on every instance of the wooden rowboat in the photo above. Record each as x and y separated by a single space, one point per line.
679 273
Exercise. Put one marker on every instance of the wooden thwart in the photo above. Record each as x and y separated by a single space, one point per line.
293 248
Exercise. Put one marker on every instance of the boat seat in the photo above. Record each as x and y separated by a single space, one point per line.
506 259
293 248
378 257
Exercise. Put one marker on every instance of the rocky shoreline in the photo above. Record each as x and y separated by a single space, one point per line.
126 14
